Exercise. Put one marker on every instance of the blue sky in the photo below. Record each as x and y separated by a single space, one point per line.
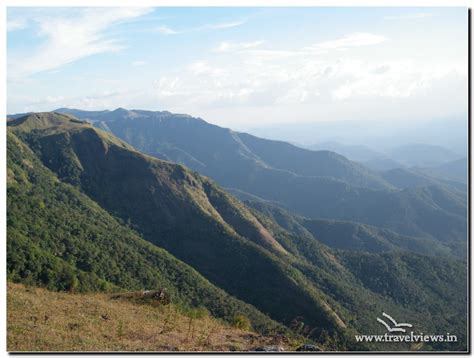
241 66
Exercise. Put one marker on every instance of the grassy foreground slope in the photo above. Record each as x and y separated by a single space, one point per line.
41 320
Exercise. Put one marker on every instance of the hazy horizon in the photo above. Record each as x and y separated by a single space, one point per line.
381 135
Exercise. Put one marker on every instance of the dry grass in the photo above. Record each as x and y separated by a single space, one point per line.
40 320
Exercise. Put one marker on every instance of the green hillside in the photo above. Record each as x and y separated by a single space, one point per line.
184 213
60 239
362 283
81 201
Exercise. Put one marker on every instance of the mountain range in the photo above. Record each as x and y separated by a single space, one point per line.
122 203
432 158
360 153
318 184
379 135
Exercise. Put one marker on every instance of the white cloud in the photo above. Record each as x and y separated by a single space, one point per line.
352 40
138 63
226 25
105 99
165 30
203 68
339 78
68 39
53 99
420 15
399 79
245 76
237 46
17 24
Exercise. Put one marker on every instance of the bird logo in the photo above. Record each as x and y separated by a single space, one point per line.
396 327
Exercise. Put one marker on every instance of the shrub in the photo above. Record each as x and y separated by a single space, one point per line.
241 322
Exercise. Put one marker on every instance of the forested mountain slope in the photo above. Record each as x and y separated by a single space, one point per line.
316 184
61 239
119 195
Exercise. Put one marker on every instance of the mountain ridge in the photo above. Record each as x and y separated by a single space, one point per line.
322 184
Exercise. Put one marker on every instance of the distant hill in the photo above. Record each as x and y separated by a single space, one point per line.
380 134
381 163
360 153
421 155
417 177
17 115
454 170
403 157
312 183
353 236
88 212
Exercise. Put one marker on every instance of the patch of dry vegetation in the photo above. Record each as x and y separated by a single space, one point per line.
41 320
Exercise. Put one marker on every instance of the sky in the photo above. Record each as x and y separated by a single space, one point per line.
242 67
